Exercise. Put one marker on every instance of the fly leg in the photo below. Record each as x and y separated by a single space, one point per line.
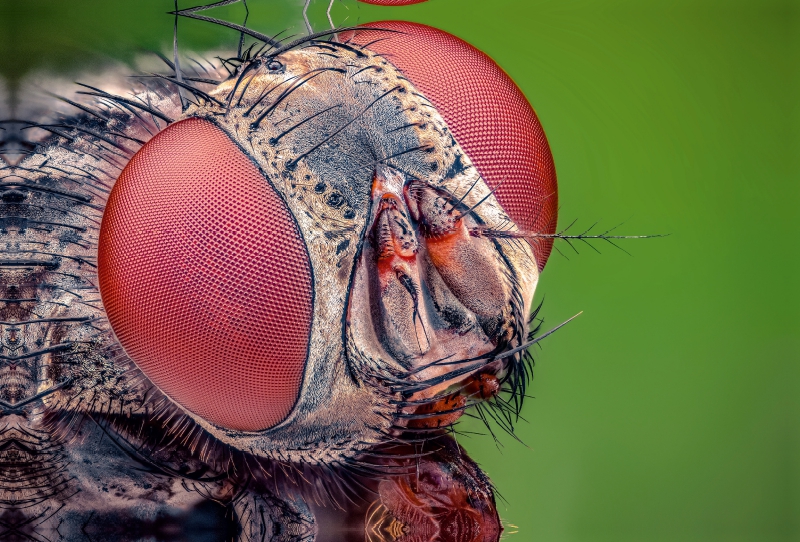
262 516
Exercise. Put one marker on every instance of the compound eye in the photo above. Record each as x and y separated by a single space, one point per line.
206 278
487 113
392 2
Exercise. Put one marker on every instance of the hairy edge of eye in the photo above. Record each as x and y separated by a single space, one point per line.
488 114
206 279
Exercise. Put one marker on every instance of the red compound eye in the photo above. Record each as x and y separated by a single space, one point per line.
487 113
206 279
392 2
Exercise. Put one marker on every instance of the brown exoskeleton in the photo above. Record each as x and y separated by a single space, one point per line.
137 388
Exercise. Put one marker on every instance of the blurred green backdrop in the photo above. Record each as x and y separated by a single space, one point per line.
670 410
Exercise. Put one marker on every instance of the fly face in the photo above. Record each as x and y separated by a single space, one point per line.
320 261
308 262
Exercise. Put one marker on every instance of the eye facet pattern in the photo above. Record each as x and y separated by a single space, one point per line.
488 115
206 279
218 249
392 2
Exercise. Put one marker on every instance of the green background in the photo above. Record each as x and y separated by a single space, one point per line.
669 410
